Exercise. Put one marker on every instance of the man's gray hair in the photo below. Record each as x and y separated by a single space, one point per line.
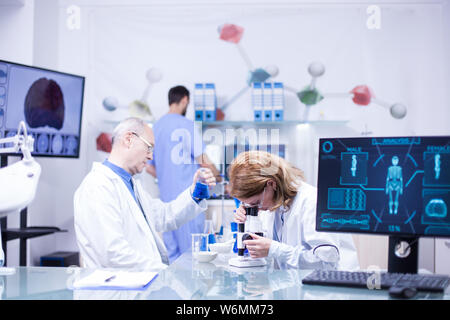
136 125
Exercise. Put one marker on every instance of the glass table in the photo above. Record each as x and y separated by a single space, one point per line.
186 279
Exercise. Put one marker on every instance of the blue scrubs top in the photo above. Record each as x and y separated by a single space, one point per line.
177 144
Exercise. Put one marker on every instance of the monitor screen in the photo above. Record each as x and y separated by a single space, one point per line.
389 185
49 102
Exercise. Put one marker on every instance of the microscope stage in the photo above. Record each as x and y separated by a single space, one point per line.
247 262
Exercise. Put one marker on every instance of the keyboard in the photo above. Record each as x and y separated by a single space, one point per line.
381 280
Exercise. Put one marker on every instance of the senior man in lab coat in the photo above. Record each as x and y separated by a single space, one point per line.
116 220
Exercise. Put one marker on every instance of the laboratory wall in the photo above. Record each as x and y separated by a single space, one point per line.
405 59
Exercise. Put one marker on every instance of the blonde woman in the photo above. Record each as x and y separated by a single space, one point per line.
287 206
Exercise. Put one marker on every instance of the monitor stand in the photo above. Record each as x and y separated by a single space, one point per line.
403 254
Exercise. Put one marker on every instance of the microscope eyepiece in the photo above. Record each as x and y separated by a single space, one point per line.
251 211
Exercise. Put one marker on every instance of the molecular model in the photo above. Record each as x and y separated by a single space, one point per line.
361 95
137 108
233 33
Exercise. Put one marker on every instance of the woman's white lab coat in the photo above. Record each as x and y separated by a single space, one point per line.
111 229
299 238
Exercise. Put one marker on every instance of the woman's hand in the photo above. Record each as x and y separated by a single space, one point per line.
258 247
239 215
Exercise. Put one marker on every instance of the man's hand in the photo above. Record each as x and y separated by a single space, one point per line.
205 162
205 175
258 247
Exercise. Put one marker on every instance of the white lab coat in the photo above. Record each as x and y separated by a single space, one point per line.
111 229
299 238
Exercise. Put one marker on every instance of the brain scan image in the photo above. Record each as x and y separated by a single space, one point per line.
44 104
436 208
57 144
42 143
3 72
71 145
50 103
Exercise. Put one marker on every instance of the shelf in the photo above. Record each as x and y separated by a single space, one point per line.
219 198
116 122
230 123
29 232
270 123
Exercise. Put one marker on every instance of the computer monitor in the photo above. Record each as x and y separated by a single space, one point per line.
50 103
396 186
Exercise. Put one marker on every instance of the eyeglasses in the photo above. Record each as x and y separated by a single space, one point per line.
260 202
149 145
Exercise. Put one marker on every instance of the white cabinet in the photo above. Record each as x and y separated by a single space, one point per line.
442 256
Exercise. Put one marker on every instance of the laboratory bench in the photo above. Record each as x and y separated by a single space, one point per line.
186 279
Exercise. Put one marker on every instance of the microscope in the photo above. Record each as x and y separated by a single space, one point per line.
252 224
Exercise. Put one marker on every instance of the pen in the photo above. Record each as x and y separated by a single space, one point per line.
110 278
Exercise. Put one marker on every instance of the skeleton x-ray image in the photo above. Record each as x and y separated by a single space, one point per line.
354 168
394 185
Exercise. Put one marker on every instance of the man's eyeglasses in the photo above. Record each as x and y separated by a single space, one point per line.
149 145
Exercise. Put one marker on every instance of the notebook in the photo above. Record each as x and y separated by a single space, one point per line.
115 280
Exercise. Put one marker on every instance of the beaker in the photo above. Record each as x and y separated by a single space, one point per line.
209 229
201 190
199 243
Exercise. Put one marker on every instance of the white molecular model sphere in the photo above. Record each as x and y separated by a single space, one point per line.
272 70
398 110
110 103
316 69
153 75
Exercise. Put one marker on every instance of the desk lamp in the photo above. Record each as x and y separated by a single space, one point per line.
18 182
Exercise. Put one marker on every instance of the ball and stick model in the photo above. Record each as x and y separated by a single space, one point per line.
361 95
140 107
233 34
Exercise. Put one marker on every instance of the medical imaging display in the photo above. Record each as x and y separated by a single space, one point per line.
51 104
44 104
387 185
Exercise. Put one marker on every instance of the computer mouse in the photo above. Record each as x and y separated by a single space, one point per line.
402 292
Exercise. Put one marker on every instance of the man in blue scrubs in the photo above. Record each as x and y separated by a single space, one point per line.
178 153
